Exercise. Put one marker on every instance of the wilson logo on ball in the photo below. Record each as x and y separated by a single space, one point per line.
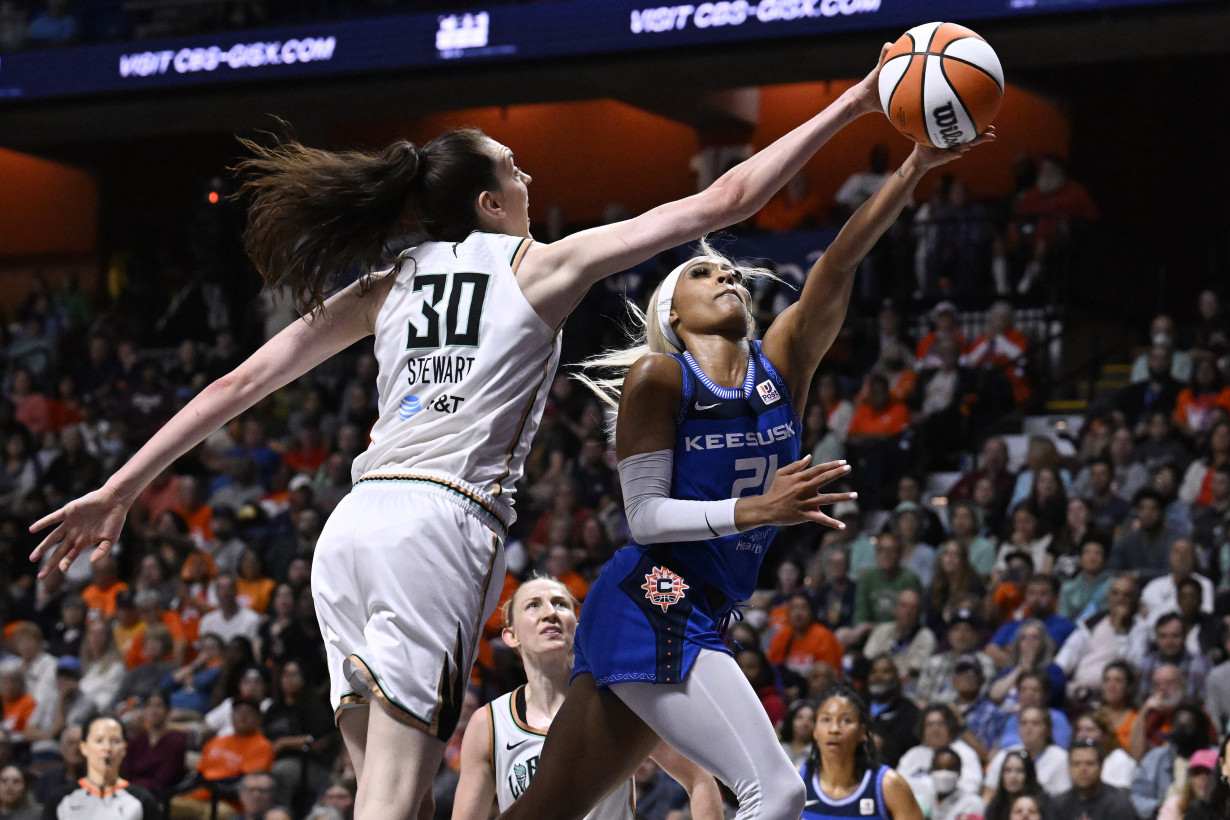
941 84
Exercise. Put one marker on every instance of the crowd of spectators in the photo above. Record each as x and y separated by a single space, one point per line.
1006 629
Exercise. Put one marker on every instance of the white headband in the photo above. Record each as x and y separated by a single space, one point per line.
666 297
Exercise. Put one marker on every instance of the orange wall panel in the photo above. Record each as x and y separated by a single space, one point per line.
45 207
585 155
582 155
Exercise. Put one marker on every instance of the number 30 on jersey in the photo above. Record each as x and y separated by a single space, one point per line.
449 312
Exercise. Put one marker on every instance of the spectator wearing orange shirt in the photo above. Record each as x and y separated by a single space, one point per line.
805 642
225 759
308 451
1046 218
128 625
1001 350
253 588
18 705
944 317
192 507
152 610
1195 406
873 442
559 565
100 596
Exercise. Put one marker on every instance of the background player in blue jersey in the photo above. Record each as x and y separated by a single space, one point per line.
842 777
708 441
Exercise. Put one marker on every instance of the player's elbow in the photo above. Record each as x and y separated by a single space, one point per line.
729 201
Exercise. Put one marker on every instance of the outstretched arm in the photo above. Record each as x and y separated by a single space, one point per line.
97 518
802 334
554 277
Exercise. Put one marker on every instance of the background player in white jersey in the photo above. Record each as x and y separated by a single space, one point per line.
502 744
706 414
402 573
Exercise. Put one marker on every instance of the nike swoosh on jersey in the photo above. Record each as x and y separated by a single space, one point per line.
511 746
700 406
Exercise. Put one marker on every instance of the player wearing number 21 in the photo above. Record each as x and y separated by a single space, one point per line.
466 325
708 442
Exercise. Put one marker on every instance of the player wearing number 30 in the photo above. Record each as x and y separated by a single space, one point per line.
466 332
708 441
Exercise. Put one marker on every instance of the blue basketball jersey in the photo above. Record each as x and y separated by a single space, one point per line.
729 443
865 803
656 606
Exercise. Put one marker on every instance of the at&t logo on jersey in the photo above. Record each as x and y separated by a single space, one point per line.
768 392
663 587
409 406
715 441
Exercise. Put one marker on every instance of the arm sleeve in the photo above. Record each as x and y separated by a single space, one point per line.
654 517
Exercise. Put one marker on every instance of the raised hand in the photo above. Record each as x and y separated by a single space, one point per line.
867 92
94 520
928 157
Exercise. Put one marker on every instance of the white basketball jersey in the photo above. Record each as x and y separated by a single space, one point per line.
465 369
515 748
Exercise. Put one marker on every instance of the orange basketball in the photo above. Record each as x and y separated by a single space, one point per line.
941 84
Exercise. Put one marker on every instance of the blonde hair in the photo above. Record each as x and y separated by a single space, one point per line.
645 336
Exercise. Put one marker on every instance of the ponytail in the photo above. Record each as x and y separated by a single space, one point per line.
315 215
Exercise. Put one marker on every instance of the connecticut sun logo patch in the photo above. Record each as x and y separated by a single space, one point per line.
664 587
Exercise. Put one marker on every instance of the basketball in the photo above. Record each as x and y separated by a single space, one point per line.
941 84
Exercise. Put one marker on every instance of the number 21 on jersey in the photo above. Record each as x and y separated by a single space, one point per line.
762 471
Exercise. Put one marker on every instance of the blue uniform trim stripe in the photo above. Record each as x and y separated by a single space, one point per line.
749 381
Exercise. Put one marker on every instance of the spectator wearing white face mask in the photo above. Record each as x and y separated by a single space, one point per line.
945 799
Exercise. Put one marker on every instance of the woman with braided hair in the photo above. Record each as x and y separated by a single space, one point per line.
843 776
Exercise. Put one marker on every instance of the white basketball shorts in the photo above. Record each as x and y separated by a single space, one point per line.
405 573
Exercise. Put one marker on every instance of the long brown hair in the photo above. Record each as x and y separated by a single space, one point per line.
316 214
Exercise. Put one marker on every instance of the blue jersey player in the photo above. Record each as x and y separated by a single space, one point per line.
842 777
708 441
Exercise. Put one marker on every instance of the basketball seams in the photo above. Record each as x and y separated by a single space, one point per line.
922 88
958 97
896 85
944 53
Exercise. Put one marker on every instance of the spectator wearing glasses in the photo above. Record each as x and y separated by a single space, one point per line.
256 793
